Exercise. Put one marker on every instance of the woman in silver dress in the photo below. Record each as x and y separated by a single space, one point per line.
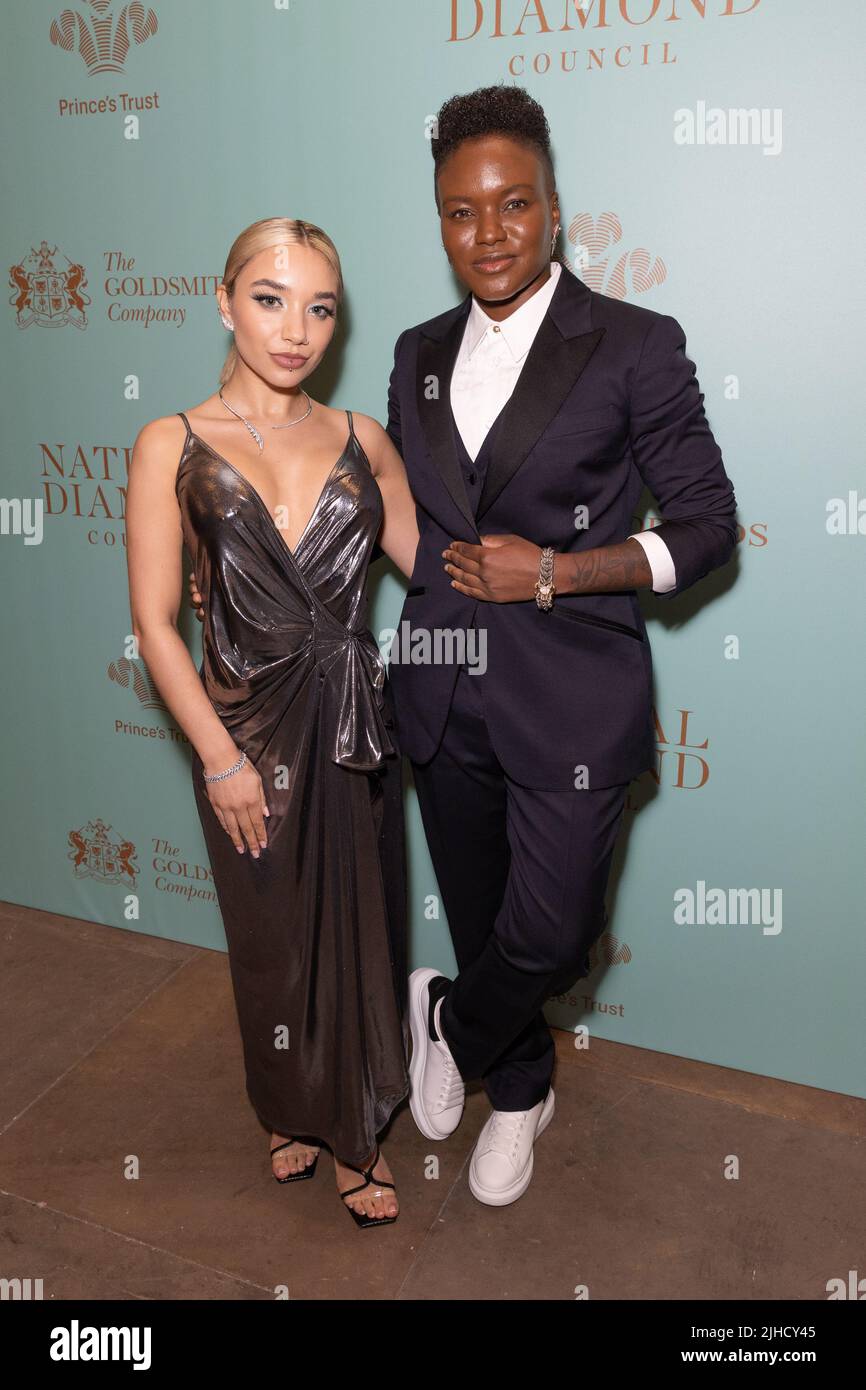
280 501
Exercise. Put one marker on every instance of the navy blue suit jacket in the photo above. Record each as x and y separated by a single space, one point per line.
606 402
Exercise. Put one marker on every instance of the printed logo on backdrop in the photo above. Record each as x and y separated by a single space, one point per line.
681 759
755 534
103 33
51 294
632 272
46 293
96 854
130 673
173 872
612 35
681 763
86 482
134 675
608 951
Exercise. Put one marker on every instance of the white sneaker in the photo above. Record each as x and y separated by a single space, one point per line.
501 1166
437 1091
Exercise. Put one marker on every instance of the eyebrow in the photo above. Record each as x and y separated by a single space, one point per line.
466 197
278 285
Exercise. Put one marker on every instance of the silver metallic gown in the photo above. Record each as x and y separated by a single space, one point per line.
316 927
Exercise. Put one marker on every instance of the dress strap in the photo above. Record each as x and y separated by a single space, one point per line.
358 445
186 422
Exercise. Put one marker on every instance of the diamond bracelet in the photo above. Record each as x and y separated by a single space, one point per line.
218 776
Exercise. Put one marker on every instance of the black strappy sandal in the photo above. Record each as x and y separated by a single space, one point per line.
306 1172
361 1218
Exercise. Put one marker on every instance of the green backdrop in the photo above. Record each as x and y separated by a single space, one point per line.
144 138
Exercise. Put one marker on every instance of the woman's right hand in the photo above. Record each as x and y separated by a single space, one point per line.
240 806
195 597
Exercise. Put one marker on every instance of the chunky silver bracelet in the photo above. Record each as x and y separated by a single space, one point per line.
544 586
218 776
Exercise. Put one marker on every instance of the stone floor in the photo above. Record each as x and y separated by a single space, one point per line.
119 1045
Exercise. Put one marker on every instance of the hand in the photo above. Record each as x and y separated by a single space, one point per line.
240 806
501 569
196 601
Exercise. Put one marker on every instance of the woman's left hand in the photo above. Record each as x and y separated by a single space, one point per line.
502 569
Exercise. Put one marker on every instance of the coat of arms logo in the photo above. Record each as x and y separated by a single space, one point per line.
45 295
96 854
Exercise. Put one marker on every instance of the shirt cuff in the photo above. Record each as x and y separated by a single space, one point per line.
660 560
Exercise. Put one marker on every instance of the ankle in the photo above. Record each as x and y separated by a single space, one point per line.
371 1161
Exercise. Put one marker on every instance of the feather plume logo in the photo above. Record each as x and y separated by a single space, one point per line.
131 676
609 950
102 39
601 267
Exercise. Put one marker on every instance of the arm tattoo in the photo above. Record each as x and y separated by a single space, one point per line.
606 569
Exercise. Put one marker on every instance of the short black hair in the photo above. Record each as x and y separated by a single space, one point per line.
499 110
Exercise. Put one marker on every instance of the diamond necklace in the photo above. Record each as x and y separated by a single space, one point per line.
256 434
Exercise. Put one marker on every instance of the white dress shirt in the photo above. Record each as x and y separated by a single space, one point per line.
490 360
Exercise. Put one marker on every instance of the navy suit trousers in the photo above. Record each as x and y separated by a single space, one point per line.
523 875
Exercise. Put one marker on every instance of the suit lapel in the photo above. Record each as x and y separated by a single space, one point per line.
560 350
563 345
436 359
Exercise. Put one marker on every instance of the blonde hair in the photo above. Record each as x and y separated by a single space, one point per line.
259 236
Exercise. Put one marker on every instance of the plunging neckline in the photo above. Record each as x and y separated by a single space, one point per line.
261 501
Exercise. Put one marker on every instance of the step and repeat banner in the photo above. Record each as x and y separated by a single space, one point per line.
709 164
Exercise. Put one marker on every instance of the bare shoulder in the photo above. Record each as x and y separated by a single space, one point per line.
374 440
158 444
